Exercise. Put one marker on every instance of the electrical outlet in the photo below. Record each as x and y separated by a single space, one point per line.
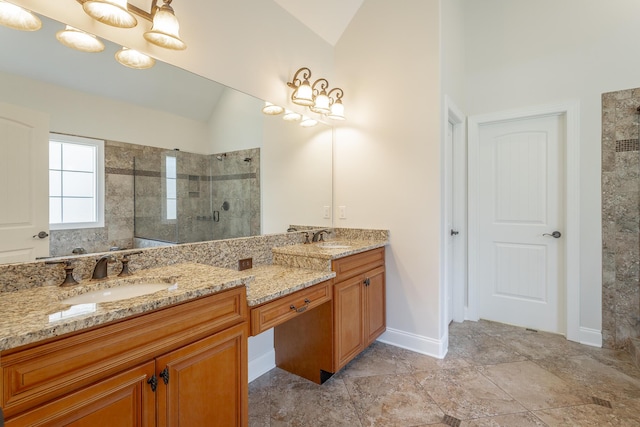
342 212
245 264
326 212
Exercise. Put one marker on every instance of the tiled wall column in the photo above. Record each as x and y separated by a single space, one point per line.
620 218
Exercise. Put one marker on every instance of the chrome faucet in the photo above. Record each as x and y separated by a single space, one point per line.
100 270
317 236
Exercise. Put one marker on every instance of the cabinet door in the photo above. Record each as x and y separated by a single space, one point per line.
125 400
348 320
206 383
375 307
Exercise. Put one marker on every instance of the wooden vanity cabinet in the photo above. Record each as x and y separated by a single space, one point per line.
184 365
359 308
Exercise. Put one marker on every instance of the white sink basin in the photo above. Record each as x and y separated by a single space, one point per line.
116 293
330 245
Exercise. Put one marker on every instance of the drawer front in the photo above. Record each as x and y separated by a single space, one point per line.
40 373
354 265
273 313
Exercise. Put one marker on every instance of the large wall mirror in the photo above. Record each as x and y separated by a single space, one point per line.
238 172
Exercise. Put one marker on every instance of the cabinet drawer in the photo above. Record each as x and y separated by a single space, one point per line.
353 265
41 373
279 311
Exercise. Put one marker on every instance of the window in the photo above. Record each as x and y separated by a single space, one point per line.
171 181
76 182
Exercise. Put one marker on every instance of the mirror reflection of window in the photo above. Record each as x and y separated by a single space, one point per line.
76 182
171 181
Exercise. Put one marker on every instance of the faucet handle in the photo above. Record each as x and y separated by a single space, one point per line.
69 280
125 263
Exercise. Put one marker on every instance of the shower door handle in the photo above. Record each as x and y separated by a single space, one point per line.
216 216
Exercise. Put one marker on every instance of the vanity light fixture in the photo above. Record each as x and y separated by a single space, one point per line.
17 18
164 32
110 12
133 59
316 96
272 109
79 40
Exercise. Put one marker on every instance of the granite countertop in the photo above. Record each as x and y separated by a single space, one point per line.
38 313
35 314
275 281
324 250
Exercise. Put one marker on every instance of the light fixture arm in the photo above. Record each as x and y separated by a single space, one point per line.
324 84
296 82
339 95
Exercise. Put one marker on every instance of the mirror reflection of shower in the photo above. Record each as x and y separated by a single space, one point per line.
183 197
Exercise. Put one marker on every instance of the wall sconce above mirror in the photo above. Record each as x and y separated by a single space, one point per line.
316 96
164 31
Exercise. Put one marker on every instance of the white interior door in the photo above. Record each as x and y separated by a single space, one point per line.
449 196
520 204
24 184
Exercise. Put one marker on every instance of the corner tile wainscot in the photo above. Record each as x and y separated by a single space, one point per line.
178 356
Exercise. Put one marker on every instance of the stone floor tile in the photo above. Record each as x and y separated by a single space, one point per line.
392 400
521 419
538 345
378 359
598 379
481 349
465 393
586 416
259 403
533 386
297 402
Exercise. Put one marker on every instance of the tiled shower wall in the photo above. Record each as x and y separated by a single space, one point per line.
620 218
238 182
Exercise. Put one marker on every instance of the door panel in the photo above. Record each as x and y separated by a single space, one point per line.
521 198
24 184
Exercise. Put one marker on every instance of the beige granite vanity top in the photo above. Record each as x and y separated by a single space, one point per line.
38 313
35 314
319 250
275 281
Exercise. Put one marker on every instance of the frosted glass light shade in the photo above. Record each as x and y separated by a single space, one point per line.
272 109
337 111
303 95
15 17
307 122
110 12
133 59
79 40
165 29
321 104
291 116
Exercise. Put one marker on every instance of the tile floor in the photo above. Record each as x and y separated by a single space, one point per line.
493 375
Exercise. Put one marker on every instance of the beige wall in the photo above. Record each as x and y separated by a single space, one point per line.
387 167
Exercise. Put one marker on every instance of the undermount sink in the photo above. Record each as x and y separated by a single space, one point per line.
116 293
329 245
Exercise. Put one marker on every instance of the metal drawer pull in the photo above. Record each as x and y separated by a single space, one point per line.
301 309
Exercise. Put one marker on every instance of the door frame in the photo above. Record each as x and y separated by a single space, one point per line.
457 189
570 111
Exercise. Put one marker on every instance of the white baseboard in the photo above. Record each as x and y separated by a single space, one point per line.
262 365
592 337
417 343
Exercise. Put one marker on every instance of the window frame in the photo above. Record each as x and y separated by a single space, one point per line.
99 181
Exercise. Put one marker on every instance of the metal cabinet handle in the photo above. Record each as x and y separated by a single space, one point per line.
555 234
165 375
301 309
367 281
153 382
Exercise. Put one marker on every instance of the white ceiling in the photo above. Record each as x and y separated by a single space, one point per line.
326 18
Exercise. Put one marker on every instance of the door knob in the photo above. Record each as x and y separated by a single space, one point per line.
555 234
454 232
41 235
